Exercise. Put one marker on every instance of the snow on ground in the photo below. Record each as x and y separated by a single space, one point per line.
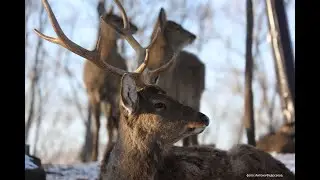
90 171
28 164
288 159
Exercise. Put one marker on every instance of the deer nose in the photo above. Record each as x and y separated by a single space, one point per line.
204 118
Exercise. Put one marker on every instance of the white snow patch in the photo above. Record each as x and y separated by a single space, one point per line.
88 171
288 159
28 164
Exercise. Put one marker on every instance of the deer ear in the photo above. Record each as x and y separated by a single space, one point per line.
162 19
129 94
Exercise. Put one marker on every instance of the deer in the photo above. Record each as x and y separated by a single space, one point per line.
151 121
99 59
185 79
102 86
282 141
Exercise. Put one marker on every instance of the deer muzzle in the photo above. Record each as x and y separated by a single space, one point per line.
199 125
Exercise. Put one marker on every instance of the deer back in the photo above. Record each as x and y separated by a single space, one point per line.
187 80
246 159
204 163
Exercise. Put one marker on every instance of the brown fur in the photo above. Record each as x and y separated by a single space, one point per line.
246 159
185 80
171 38
281 142
103 86
144 148
141 133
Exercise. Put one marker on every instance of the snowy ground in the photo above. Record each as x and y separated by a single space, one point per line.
288 159
90 171
28 164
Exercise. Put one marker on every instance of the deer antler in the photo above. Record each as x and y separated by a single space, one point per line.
94 55
64 41
141 51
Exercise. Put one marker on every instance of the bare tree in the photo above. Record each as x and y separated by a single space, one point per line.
266 104
283 56
248 105
35 78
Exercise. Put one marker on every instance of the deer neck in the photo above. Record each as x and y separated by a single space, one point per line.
107 46
160 53
133 156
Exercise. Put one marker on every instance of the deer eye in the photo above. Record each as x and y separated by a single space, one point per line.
159 106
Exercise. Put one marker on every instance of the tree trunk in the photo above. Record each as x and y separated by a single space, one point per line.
248 104
35 79
283 56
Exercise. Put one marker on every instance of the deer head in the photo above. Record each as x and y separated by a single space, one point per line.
111 17
174 34
149 112
115 20
170 38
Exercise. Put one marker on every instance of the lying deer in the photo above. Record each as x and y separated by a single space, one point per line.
102 86
185 80
150 122
148 128
281 141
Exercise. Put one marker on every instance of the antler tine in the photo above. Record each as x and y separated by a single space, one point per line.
126 25
154 38
142 53
125 32
144 64
62 39
65 42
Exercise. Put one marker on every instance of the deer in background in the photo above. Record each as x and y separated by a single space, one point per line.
102 86
282 141
185 79
151 121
